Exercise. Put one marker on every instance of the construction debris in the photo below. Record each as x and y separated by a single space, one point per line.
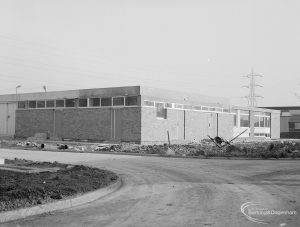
205 148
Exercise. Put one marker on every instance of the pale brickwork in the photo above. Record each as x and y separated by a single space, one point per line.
197 126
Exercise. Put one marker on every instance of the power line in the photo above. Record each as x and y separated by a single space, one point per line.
252 97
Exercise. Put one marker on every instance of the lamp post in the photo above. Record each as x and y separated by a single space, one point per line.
18 86
45 89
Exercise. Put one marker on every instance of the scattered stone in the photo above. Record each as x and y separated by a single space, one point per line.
62 146
170 152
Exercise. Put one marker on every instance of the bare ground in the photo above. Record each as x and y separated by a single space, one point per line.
21 189
178 192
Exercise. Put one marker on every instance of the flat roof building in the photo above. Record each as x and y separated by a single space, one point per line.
289 121
132 114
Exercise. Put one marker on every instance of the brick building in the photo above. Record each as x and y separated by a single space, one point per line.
131 114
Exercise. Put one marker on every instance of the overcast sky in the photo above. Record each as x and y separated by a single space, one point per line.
201 46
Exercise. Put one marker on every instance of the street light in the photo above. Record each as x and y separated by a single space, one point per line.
45 89
17 92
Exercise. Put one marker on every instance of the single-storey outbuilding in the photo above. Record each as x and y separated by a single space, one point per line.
132 114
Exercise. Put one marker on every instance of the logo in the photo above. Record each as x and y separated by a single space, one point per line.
257 213
247 211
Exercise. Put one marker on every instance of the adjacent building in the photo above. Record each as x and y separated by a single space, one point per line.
132 114
289 121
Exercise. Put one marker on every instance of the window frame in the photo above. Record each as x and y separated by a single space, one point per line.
49 100
44 101
25 104
91 101
29 101
128 97
157 112
103 98
87 102
64 103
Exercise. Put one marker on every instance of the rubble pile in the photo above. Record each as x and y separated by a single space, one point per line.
264 150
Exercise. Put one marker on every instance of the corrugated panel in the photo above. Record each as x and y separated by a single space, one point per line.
11 118
3 118
7 118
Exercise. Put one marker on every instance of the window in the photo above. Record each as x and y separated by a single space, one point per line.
226 110
131 100
197 107
178 106
188 107
260 134
60 103
161 112
94 101
22 104
244 121
256 121
32 104
234 120
49 103
244 118
105 101
148 103
168 105
82 103
268 122
261 122
70 102
118 101
245 112
212 109
205 108
219 109
40 104
297 125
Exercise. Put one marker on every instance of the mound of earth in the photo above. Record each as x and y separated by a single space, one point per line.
21 189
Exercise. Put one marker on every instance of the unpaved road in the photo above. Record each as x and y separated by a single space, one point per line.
178 192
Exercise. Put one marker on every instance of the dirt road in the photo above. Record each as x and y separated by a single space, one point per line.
179 192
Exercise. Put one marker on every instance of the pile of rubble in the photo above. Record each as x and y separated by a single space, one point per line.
269 149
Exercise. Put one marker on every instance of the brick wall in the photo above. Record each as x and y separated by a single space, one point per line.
80 123
225 125
76 123
154 130
29 122
135 124
197 126
131 124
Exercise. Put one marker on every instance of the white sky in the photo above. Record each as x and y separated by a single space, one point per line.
202 46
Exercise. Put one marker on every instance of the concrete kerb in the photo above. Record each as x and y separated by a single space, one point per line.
59 205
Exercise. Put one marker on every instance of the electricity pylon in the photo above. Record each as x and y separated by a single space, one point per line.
252 102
